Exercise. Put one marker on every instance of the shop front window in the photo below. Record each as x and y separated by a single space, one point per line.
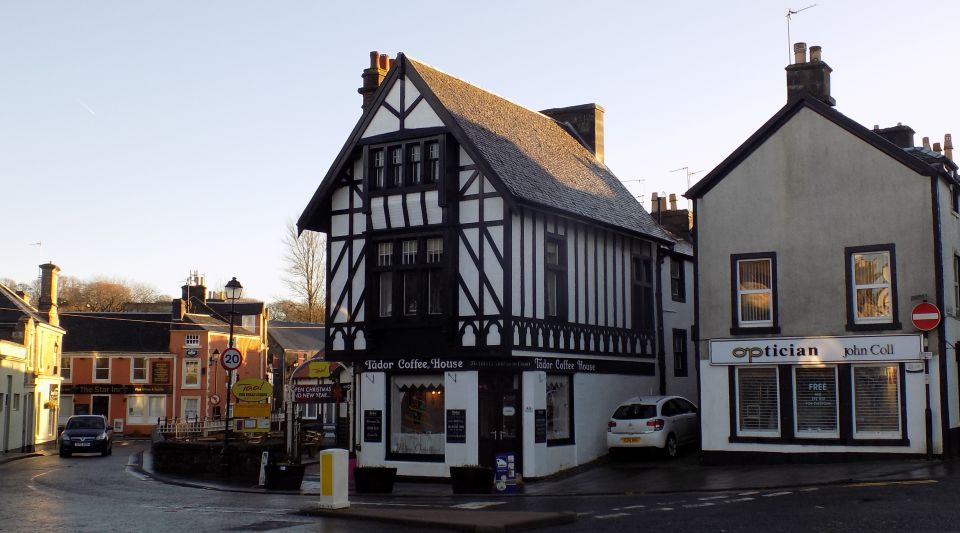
559 409
816 402
417 415
758 411
144 409
876 402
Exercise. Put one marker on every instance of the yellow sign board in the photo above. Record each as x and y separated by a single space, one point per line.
252 390
318 369
251 410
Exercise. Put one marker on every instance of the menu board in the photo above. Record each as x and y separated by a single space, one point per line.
160 372
373 425
457 426
540 425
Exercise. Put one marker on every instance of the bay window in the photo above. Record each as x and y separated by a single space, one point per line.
417 266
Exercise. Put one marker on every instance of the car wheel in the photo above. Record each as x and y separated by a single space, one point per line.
108 451
64 454
670 448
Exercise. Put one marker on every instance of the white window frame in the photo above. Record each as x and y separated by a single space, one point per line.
147 416
772 433
183 406
742 292
66 364
857 319
109 369
191 340
898 434
808 434
183 367
146 369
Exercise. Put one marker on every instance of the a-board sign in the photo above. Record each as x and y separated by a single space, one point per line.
372 425
457 426
540 425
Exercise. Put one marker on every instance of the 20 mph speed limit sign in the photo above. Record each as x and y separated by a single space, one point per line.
231 359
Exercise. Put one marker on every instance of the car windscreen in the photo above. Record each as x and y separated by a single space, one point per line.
85 423
635 411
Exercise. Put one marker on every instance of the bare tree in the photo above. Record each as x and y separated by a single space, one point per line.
305 260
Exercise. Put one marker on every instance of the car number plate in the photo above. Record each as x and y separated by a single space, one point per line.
629 439
83 444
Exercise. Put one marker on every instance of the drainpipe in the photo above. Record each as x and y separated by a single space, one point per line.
661 353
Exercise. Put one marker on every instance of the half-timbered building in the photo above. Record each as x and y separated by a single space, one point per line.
492 280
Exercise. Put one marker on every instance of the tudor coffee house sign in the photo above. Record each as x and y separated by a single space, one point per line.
814 350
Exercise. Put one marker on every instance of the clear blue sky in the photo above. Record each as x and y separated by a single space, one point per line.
142 140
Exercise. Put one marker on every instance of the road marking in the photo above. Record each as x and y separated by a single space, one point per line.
662 509
738 500
809 489
713 498
748 493
629 507
376 504
772 494
615 515
886 483
695 505
476 505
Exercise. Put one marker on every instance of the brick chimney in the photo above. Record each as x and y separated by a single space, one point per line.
809 77
948 146
586 120
48 293
373 76
899 135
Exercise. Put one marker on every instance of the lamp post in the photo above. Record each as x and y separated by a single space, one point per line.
232 291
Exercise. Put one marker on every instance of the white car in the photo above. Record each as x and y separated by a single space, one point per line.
664 422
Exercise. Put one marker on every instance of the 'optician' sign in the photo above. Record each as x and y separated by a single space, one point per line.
814 350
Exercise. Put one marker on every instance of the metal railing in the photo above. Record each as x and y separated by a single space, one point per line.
197 427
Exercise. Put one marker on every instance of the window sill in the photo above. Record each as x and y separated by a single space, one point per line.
886 326
560 442
412 457
760 330
892 442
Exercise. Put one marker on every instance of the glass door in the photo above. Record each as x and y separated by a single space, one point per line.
499 417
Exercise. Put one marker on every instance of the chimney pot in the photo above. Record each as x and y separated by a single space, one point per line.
936 147
673 202
926 142
799 53
815 54
948 146
654 203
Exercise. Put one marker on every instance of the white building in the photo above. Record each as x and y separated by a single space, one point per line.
815 239
492 281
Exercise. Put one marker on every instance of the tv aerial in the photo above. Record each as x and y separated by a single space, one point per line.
790 14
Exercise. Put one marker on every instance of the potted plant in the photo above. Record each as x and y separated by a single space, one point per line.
374 479
471 479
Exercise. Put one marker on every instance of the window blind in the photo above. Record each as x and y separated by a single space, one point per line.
757 396
876 398
816 400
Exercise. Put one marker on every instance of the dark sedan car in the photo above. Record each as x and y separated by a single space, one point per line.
86 434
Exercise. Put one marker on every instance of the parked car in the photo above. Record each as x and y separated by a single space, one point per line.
86 434
664 422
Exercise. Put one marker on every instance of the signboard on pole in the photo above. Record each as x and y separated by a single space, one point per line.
231 359
252 390
925 316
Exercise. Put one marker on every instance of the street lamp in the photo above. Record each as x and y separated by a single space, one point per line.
232 291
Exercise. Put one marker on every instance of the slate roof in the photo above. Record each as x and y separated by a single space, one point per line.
301 336
201 322
13 308
910 158
527 153
535 157
116 332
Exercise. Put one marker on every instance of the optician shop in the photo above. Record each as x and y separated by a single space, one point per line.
819 395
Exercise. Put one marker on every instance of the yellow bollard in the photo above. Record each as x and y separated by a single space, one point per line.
334 476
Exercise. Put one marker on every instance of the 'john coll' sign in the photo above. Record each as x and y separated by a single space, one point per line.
812 350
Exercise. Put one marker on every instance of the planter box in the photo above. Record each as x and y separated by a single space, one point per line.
374 479
471 479
284 476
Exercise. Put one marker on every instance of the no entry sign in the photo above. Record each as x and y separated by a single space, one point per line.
925 316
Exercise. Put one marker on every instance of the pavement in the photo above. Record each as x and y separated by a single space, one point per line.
605 477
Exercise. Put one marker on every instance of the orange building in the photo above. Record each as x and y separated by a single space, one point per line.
138 368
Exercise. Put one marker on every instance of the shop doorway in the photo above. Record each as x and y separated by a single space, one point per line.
500 416
101 405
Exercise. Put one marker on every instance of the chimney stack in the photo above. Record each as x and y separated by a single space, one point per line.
673 202
948 146
586 120
899 135
48 293
811 77
373 76
654 203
